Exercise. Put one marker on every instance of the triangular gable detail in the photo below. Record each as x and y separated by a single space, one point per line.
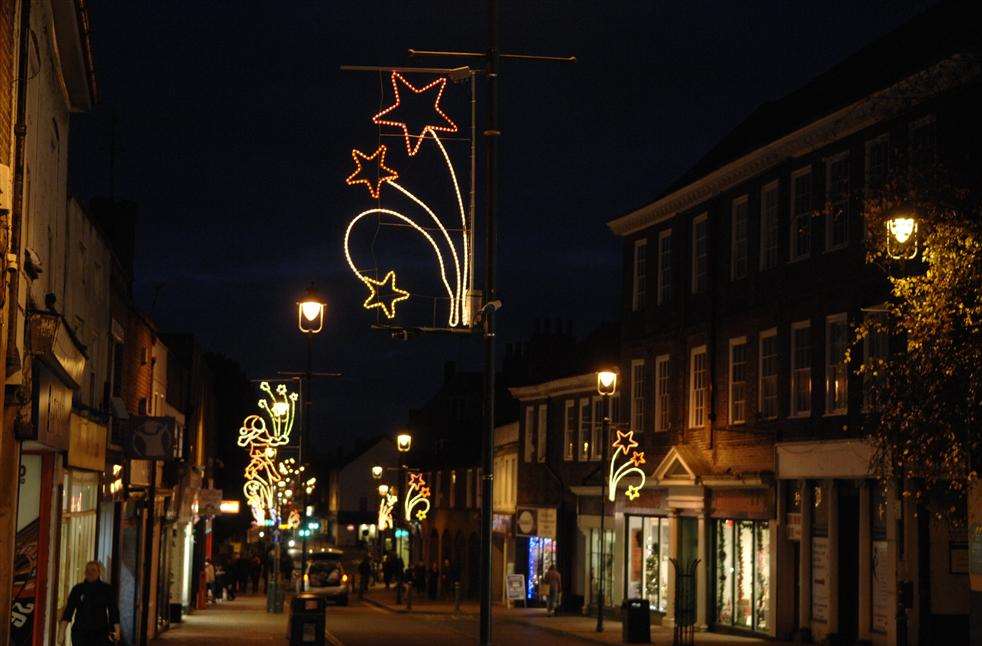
674 467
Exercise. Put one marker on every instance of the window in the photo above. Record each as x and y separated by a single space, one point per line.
921 137
836 374
876 348
529 432
698 387
801 215
837 196
584 442
738 239
540 449
700 254
640 274
663 396
768 374
877 162
769 204
739 360
453 489
598 423
647 563
470 488
637 395
742 577
801 369
569 430
664 266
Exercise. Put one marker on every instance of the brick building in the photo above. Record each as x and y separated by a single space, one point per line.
742 283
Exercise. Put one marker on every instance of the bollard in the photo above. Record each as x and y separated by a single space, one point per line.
456 596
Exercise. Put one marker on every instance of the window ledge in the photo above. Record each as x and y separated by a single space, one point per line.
838 247
792 261
800 415
836 413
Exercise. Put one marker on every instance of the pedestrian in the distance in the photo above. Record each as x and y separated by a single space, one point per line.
255 572
555 583
210 580
433 581
92 611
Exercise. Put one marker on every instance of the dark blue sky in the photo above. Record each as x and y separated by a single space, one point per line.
236 126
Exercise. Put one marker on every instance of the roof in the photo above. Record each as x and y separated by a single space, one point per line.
948 29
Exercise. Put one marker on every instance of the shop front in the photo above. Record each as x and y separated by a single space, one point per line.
647 564
741 558
536 548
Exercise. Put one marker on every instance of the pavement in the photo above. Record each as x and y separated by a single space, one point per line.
377 619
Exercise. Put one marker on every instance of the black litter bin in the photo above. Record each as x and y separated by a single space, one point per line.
636 621
176 613
307 620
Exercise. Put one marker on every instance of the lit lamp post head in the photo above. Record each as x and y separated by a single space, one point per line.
403 442
383 489
606 382
377 472
310 312
902 234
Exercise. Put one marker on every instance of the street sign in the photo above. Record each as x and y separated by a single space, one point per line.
516 587
151 438
535 521
209 502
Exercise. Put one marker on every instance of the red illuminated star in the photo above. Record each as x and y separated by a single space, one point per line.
416 480
382 172
384 294
637 458
425 492
625 442
445 124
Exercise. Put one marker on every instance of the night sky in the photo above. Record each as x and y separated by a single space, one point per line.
235 130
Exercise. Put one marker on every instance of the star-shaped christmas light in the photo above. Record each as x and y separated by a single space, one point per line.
425 492
445 124
637 458
384 294
383 173
632 492
421 515
416 480
625 442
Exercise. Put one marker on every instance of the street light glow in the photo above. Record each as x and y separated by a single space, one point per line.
606 382
403 442
310 312
377 472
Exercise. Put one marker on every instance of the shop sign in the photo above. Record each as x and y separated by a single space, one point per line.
535 521
743 503
151 438
794 526
209 502
140 473
649 502
820 579
87 444
52 409
881 588
515 587
501 523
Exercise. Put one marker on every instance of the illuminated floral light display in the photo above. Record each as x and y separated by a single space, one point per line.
384 294
386 504
624 446
262 473
417 495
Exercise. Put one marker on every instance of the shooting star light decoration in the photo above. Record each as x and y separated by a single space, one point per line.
624 445
386 504
384 294
417 495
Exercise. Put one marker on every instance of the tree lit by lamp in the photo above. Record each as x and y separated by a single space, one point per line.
310 312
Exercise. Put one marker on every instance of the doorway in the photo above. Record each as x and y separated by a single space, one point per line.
848 544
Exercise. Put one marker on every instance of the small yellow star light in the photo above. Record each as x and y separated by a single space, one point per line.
421 515
384 294
632 492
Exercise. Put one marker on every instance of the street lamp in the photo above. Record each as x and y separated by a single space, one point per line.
310 321
310 312
377 472
606 387
902 234
383 489
403 442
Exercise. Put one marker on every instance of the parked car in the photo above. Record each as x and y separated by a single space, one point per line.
326 576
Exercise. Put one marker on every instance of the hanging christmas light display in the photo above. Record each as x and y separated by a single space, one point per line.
624 446
262 439
457 284
417 496
386 504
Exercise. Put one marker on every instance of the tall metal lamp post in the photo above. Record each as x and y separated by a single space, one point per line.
606 387
404 442
310 322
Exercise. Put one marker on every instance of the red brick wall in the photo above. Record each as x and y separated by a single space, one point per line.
137 374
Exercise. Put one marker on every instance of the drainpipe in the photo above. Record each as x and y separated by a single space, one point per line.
711 342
